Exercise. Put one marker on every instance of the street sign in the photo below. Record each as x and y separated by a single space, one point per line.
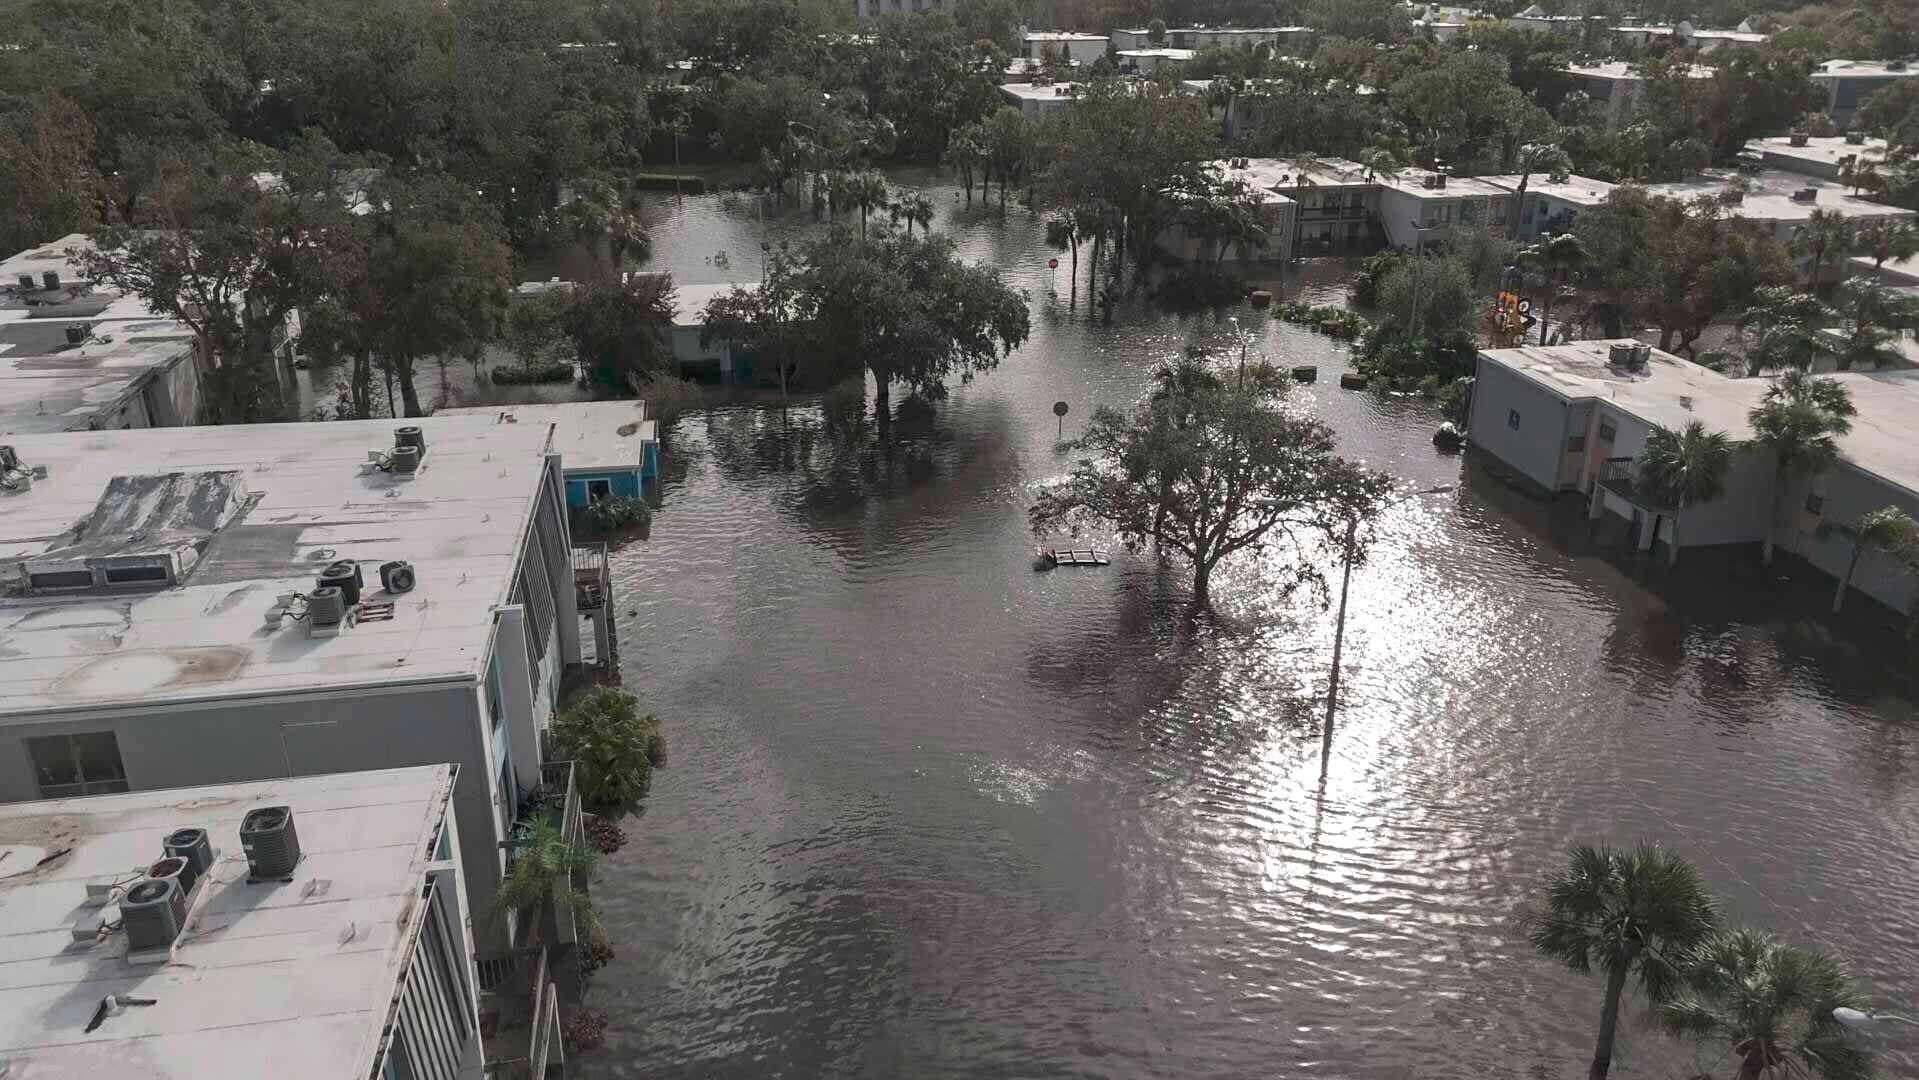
1059 410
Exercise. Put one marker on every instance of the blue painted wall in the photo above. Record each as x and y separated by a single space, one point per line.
650 462
623 482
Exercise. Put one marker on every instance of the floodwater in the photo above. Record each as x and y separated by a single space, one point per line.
931 814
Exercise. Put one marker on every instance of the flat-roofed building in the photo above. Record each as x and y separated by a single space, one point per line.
357 962
1085 48
163 624
1781 200
1035 100
1148 61
1826 157
1848 83
78 357
1575 418
1617 86
1551 203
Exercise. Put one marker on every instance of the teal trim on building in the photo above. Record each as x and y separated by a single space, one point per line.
618 482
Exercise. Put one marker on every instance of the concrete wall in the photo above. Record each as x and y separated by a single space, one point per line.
1848 495
263 738
172 396
1739 516
1536 446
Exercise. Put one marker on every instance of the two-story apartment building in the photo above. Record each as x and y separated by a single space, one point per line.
1420 208
1574 418
141 939
78 357
1848 83
221 604
1617 87
1288 40
1080 48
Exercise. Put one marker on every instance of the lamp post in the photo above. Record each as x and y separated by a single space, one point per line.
1345 583
1419 252
1238 333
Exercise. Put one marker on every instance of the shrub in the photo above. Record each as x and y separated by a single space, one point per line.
584 1029
615 512
604 834
612 746
543 869
668 399
525 374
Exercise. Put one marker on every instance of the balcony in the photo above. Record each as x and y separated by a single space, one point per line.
1618 476
592 585
520 1017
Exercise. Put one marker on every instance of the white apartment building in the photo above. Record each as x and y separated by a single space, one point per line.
1848 83
1617 86
1080 48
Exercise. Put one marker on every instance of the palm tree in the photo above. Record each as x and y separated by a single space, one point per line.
1824 238
1875 317
1062 234
600 211
1887 529
913 209
1781 330
1635 915
1546 158
1886 240
1558 259
542 870
1799 421
1771 1005
1684 468
866 190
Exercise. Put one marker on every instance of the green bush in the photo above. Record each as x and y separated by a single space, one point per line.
533 373
615 512
613 746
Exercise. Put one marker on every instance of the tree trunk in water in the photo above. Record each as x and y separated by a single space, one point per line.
362 386
1546 313
1665 339
1839 596
1608 1024
1772 522
883 404
409 395
1202 583
862 221
1672 546
386 372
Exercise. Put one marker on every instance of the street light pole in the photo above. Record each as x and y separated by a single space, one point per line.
1339 626
1860 1020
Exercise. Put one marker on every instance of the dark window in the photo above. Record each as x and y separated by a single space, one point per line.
1575 444
62 579
598 489
1815 504
66 765
1512 419
137 575
1607 431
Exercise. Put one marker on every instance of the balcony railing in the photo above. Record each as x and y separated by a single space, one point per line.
526 1044
1618 476
592 585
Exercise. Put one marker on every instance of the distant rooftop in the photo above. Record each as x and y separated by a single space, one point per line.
590 436
50 384
1865 69
1880 442
1061 35
1265 175
290 980
312 499
1578 190
1769 196
1413 182
1163 54
1039 91
1623 71
1824 150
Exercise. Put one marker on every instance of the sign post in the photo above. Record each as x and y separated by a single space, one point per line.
1059 410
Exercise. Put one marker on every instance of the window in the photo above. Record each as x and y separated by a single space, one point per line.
68 765
137 575
598 489
1512 419
1576 444
1608 431
1815 504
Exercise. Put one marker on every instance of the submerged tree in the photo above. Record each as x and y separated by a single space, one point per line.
1205 467
1681 469
613 746
1770 1005
1637 916
1887 529
1799 420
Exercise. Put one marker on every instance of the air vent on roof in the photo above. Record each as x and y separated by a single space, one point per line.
397 577
152 913
27 284
1799 138
272 845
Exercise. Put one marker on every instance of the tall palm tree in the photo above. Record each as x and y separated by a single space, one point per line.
1875 316
1824 238
1799 420
1886 529
1885 240
1781 330
1557 259
1684 468
866 190
1546 158
1634 915
1770 1004
913 209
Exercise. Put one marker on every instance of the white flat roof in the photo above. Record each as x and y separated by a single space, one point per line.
1863 69
1578 190
460 520
689 301
47 385
283 980
1265 175
1622 71
591 436
1880 442
1059 35
1830 150
1163 54
1769 196
1411 182
1062 91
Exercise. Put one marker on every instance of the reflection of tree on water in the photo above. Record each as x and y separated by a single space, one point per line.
849 476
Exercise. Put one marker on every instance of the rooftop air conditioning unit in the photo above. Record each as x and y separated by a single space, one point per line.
175 869
1440 181
1855 138
194 846
27 284
271 844
1619 354
326 611
344 576
1895 65
1799 138
1429 182
1806 195
152 913
51 279
78 334
1641 357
